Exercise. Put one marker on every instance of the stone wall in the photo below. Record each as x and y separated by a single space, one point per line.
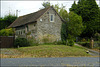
45 27
26 31
32 29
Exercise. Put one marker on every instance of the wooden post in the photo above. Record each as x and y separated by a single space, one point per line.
91 43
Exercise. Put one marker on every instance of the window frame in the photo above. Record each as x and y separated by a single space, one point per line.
52 18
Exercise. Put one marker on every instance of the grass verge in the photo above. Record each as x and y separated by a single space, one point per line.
44 51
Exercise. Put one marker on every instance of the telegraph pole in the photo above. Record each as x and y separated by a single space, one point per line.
17 13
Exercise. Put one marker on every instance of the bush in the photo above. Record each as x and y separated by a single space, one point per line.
58 43
97 37
21 42
85 44
6 32
33 42
64 42
70 42
83 40
46 38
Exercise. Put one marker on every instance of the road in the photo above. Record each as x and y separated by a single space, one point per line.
42 62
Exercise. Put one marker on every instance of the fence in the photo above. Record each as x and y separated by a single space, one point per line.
6 41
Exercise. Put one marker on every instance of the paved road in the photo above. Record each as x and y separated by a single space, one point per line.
66 61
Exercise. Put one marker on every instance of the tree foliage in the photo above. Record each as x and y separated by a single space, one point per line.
6 32
46 4
90 13
74 7
74 25
7 20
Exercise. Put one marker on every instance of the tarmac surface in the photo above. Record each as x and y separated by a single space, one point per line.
43 62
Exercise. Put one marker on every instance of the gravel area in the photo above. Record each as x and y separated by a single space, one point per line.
42 62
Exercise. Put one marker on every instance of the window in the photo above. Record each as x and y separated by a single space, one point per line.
27 27
19 32
51 18
47 12
24 31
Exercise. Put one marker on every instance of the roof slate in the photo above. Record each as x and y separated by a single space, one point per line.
32 17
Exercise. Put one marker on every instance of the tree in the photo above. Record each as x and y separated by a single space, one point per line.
73 7
2 23
74 25
57 8
6 32
7 20
89 11
46 4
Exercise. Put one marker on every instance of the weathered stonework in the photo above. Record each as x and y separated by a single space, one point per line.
46 27
43 27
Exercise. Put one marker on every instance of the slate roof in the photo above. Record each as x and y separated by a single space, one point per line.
32 17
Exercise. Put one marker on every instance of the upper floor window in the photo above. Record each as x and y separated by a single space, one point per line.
51 17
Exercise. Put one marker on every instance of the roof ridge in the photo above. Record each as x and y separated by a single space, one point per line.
31 17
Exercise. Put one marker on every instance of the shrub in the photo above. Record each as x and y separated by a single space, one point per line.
97 37
6 32
33 42
64 42
58 43
46 38
85 44
83 40
70 42
21 42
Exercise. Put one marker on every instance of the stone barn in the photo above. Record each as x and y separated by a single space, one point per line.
41 24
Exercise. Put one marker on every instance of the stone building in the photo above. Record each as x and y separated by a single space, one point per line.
45 22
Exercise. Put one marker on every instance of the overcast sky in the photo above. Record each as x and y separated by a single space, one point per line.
26 7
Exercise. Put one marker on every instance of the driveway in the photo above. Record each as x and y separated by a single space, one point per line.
65 61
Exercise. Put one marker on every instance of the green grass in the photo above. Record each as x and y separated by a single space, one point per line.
46 51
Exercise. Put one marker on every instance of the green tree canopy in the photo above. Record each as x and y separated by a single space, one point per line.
7 20
6 32
46 4
89 11
75 26
73 7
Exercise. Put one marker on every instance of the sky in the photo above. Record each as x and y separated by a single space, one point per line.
25 7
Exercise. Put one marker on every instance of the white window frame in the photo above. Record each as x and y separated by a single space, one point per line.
53 17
